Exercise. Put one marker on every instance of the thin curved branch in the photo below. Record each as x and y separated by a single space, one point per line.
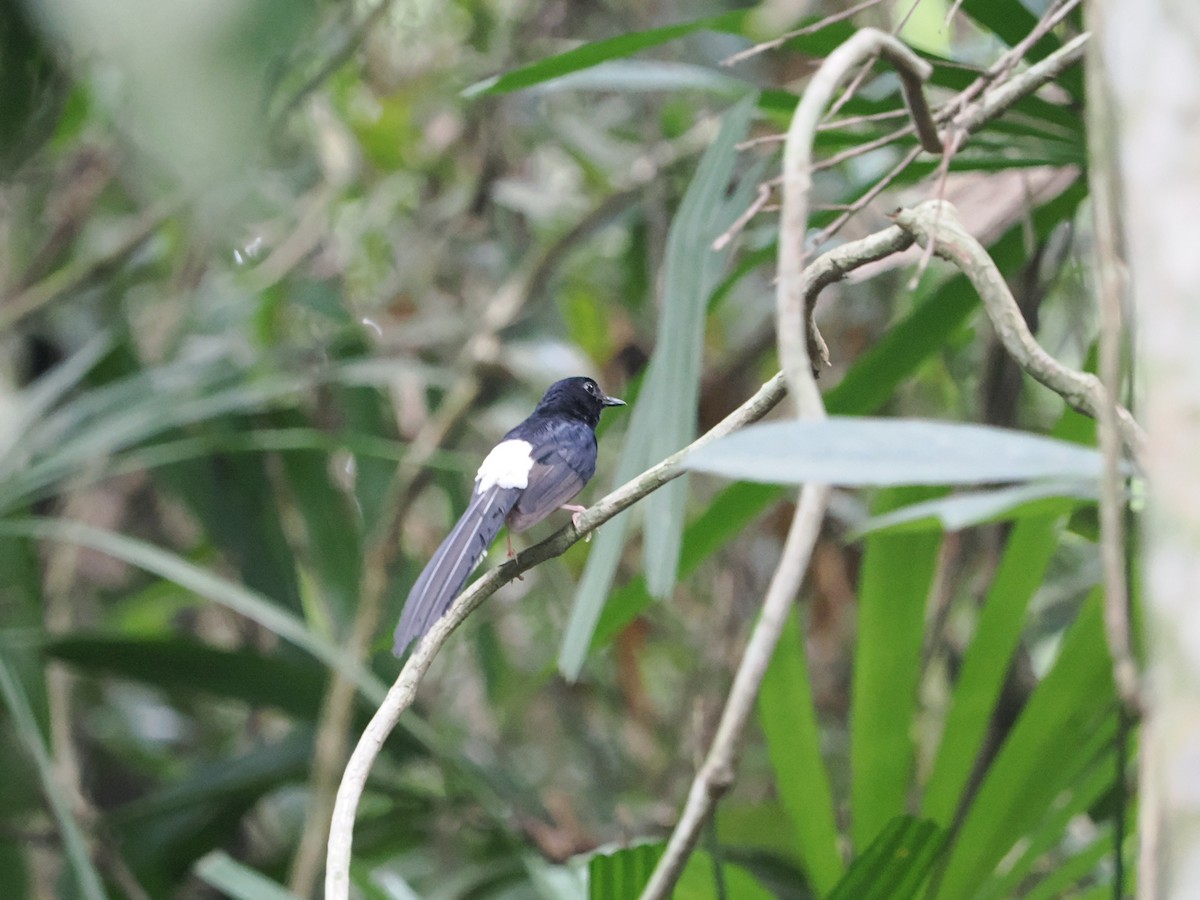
938 221
402 693
797 181
1111 289
794 333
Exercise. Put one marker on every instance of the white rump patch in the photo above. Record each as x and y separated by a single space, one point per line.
507 466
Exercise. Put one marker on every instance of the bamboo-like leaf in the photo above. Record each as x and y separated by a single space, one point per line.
86 876
664 416
978 507
896 863
1039 757
897 572
592 54
1031 545
1027 554
237 880
621 873
863 451
793 736
234 596
170 663
1096 777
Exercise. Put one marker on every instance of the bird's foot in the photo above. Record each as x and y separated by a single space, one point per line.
576 512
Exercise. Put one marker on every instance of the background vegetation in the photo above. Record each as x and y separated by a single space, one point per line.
276 274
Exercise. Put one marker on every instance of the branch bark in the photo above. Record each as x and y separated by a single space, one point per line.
937 221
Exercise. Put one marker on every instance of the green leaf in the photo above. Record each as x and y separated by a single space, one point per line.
332 528
986 662
863 451
896 863
234 500
165 831
668 403
69 832
221 871
1040 756
976 508
664 417
793 736
635 75
619 874
588 55
1027 553
622 874
174 568
1097 773
897 571
172 663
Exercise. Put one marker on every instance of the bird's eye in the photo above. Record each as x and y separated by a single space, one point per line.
590 388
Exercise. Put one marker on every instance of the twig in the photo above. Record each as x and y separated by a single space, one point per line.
797 180
864 119
755 207
903 20
874 191
952 144
972 119
1110 288
776 43
1081 390
350 43
995 103
852 88
966 119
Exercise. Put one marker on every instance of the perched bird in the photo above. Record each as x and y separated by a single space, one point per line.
538 466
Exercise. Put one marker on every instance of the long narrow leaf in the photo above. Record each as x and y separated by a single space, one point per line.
1026 556
897 572
663 418
233 879
1039 755
233 596
863 451
895 865
588 55
793 736
86 876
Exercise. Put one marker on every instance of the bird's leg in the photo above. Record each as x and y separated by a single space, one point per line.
576 512
511 551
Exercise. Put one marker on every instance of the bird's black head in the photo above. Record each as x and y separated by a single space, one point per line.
578 397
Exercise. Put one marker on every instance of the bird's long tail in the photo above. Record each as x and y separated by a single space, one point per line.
455 559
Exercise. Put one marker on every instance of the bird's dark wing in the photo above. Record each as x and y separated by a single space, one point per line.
455 559
564 458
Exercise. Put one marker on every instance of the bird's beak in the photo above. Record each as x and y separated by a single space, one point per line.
612 401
